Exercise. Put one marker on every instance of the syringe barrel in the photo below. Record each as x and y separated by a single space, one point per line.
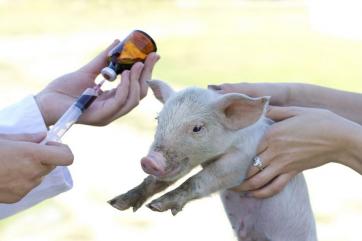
86 99
64 123
72 115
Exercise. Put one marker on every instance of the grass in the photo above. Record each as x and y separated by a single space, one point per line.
211 42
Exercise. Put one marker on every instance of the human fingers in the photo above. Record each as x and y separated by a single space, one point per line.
274 187
45 169
38 171
107 105
279 92
259 180
245 88
18 189
122 91
37 168
133 97
100 61
278 113
136 71
53 153
126 96
28 137
146 74
264 157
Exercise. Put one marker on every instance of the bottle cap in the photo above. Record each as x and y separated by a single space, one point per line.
108 73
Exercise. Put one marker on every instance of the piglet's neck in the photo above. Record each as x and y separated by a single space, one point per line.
247 139
253 132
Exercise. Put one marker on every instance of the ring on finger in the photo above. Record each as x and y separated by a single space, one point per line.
257 162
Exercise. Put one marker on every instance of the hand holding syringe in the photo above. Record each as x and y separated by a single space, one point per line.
135 48
73 113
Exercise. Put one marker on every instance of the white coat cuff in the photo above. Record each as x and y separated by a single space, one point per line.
25 117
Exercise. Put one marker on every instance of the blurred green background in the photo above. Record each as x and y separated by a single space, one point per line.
200 42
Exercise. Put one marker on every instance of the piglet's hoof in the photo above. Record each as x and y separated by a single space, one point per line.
127 200
158 206
155 207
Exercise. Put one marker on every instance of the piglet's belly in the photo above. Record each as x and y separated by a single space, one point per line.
243 213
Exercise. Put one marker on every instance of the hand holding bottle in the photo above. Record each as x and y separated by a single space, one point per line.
110 105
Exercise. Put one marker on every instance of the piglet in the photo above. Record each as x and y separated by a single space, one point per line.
221 133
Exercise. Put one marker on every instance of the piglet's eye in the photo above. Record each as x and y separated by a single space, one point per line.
197 128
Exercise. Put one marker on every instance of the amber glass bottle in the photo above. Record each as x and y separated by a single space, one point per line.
133 49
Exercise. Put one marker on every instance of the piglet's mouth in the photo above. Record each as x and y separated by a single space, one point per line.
173 170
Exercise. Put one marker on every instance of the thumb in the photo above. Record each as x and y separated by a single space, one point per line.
28 137
54 153
100 61
278 113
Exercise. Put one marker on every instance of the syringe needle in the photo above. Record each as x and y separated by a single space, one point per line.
98 86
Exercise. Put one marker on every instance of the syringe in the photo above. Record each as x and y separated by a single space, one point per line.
73 113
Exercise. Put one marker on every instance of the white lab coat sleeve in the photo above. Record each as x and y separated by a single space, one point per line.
25 117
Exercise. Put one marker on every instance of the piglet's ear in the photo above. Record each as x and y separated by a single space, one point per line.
161 90
238 111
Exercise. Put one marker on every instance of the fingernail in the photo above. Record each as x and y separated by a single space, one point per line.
156 58
214 87
139 64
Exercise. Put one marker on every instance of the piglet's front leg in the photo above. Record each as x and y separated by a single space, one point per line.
221 174
138 195
175 199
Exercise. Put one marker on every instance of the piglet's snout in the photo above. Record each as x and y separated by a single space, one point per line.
154 163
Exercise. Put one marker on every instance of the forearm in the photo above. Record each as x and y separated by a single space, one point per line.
343 103
353 157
